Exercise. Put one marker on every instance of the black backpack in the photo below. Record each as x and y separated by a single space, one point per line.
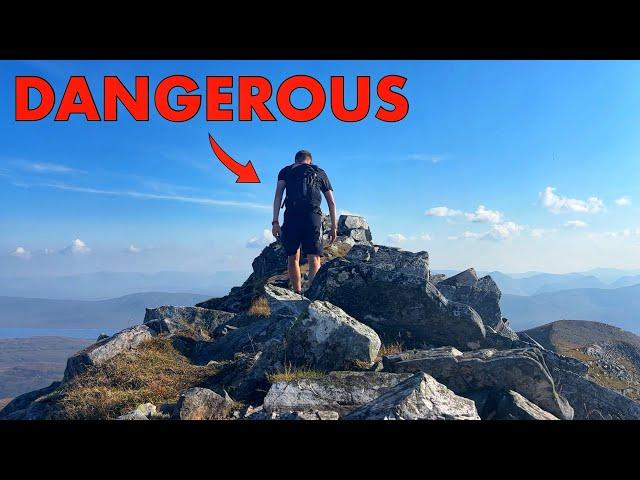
303 189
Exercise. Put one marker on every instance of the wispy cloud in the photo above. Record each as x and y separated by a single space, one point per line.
427 157
576 224
21 252
558 204
41 167
149 196
481 215
396 238
498 232
443 212
623 201
626 233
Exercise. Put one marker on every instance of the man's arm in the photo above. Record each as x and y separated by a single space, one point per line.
331 202
277 201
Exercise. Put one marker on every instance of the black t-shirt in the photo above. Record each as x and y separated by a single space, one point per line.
323 180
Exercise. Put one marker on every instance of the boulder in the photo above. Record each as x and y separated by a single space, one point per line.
202 404
24 401
508 405
134 415
388 289
592 401
337 391
355 228
419 397
106 349
260 414
326 338
172 319
142 412
483 295
521 370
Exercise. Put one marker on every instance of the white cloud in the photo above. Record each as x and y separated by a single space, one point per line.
262 241
41 167
484 215
465 235
623 201
442 212
576 224
503 231
540 232
558 204
396 238
425 236
77 247
427 157
21 252
133 249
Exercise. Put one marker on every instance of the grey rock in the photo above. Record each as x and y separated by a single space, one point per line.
283 301
337 391
202 404
326 338
23 401
171 319
521 370
134 415
102 336
509 405
100 352
420 397
483 295
347 223
437 278
388 290
294 415
592 401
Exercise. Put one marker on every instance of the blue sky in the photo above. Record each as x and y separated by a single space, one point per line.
535 162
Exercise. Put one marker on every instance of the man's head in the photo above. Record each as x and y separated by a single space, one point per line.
303 156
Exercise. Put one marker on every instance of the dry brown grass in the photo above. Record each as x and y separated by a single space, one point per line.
292 373
390 349
155 372
259 308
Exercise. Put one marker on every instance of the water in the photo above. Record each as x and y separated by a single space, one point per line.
89 333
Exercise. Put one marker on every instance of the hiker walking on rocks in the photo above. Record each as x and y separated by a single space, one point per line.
302 225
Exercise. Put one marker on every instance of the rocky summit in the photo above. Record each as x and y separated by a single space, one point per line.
375 337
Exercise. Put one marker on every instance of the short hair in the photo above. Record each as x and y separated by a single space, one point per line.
303 155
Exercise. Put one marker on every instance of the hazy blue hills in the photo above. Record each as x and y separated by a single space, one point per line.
114 313
104 285
619 307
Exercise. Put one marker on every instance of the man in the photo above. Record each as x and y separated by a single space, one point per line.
302 226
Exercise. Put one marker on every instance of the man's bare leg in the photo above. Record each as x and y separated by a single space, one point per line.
294 272
314 266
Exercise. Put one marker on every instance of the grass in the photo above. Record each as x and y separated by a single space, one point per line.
259 308
597 373
292 373
155 372
390 349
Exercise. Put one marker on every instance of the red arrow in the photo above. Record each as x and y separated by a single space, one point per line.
246 173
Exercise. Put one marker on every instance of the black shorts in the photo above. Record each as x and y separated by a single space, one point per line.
302 230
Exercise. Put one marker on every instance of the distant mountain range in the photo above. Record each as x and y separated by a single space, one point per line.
113 314
619 307
105 285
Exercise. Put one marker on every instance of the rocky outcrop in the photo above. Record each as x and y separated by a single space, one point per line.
260 414
202 404
104 350
142 412
520 370
18 408
341 392
389 290
592 401
419 397
172 319
355 228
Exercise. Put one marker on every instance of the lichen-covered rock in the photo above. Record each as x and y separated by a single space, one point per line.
337 391
521 370
106 349
172 319
389 290
326 338
202 404
142 412
261 414
420 397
